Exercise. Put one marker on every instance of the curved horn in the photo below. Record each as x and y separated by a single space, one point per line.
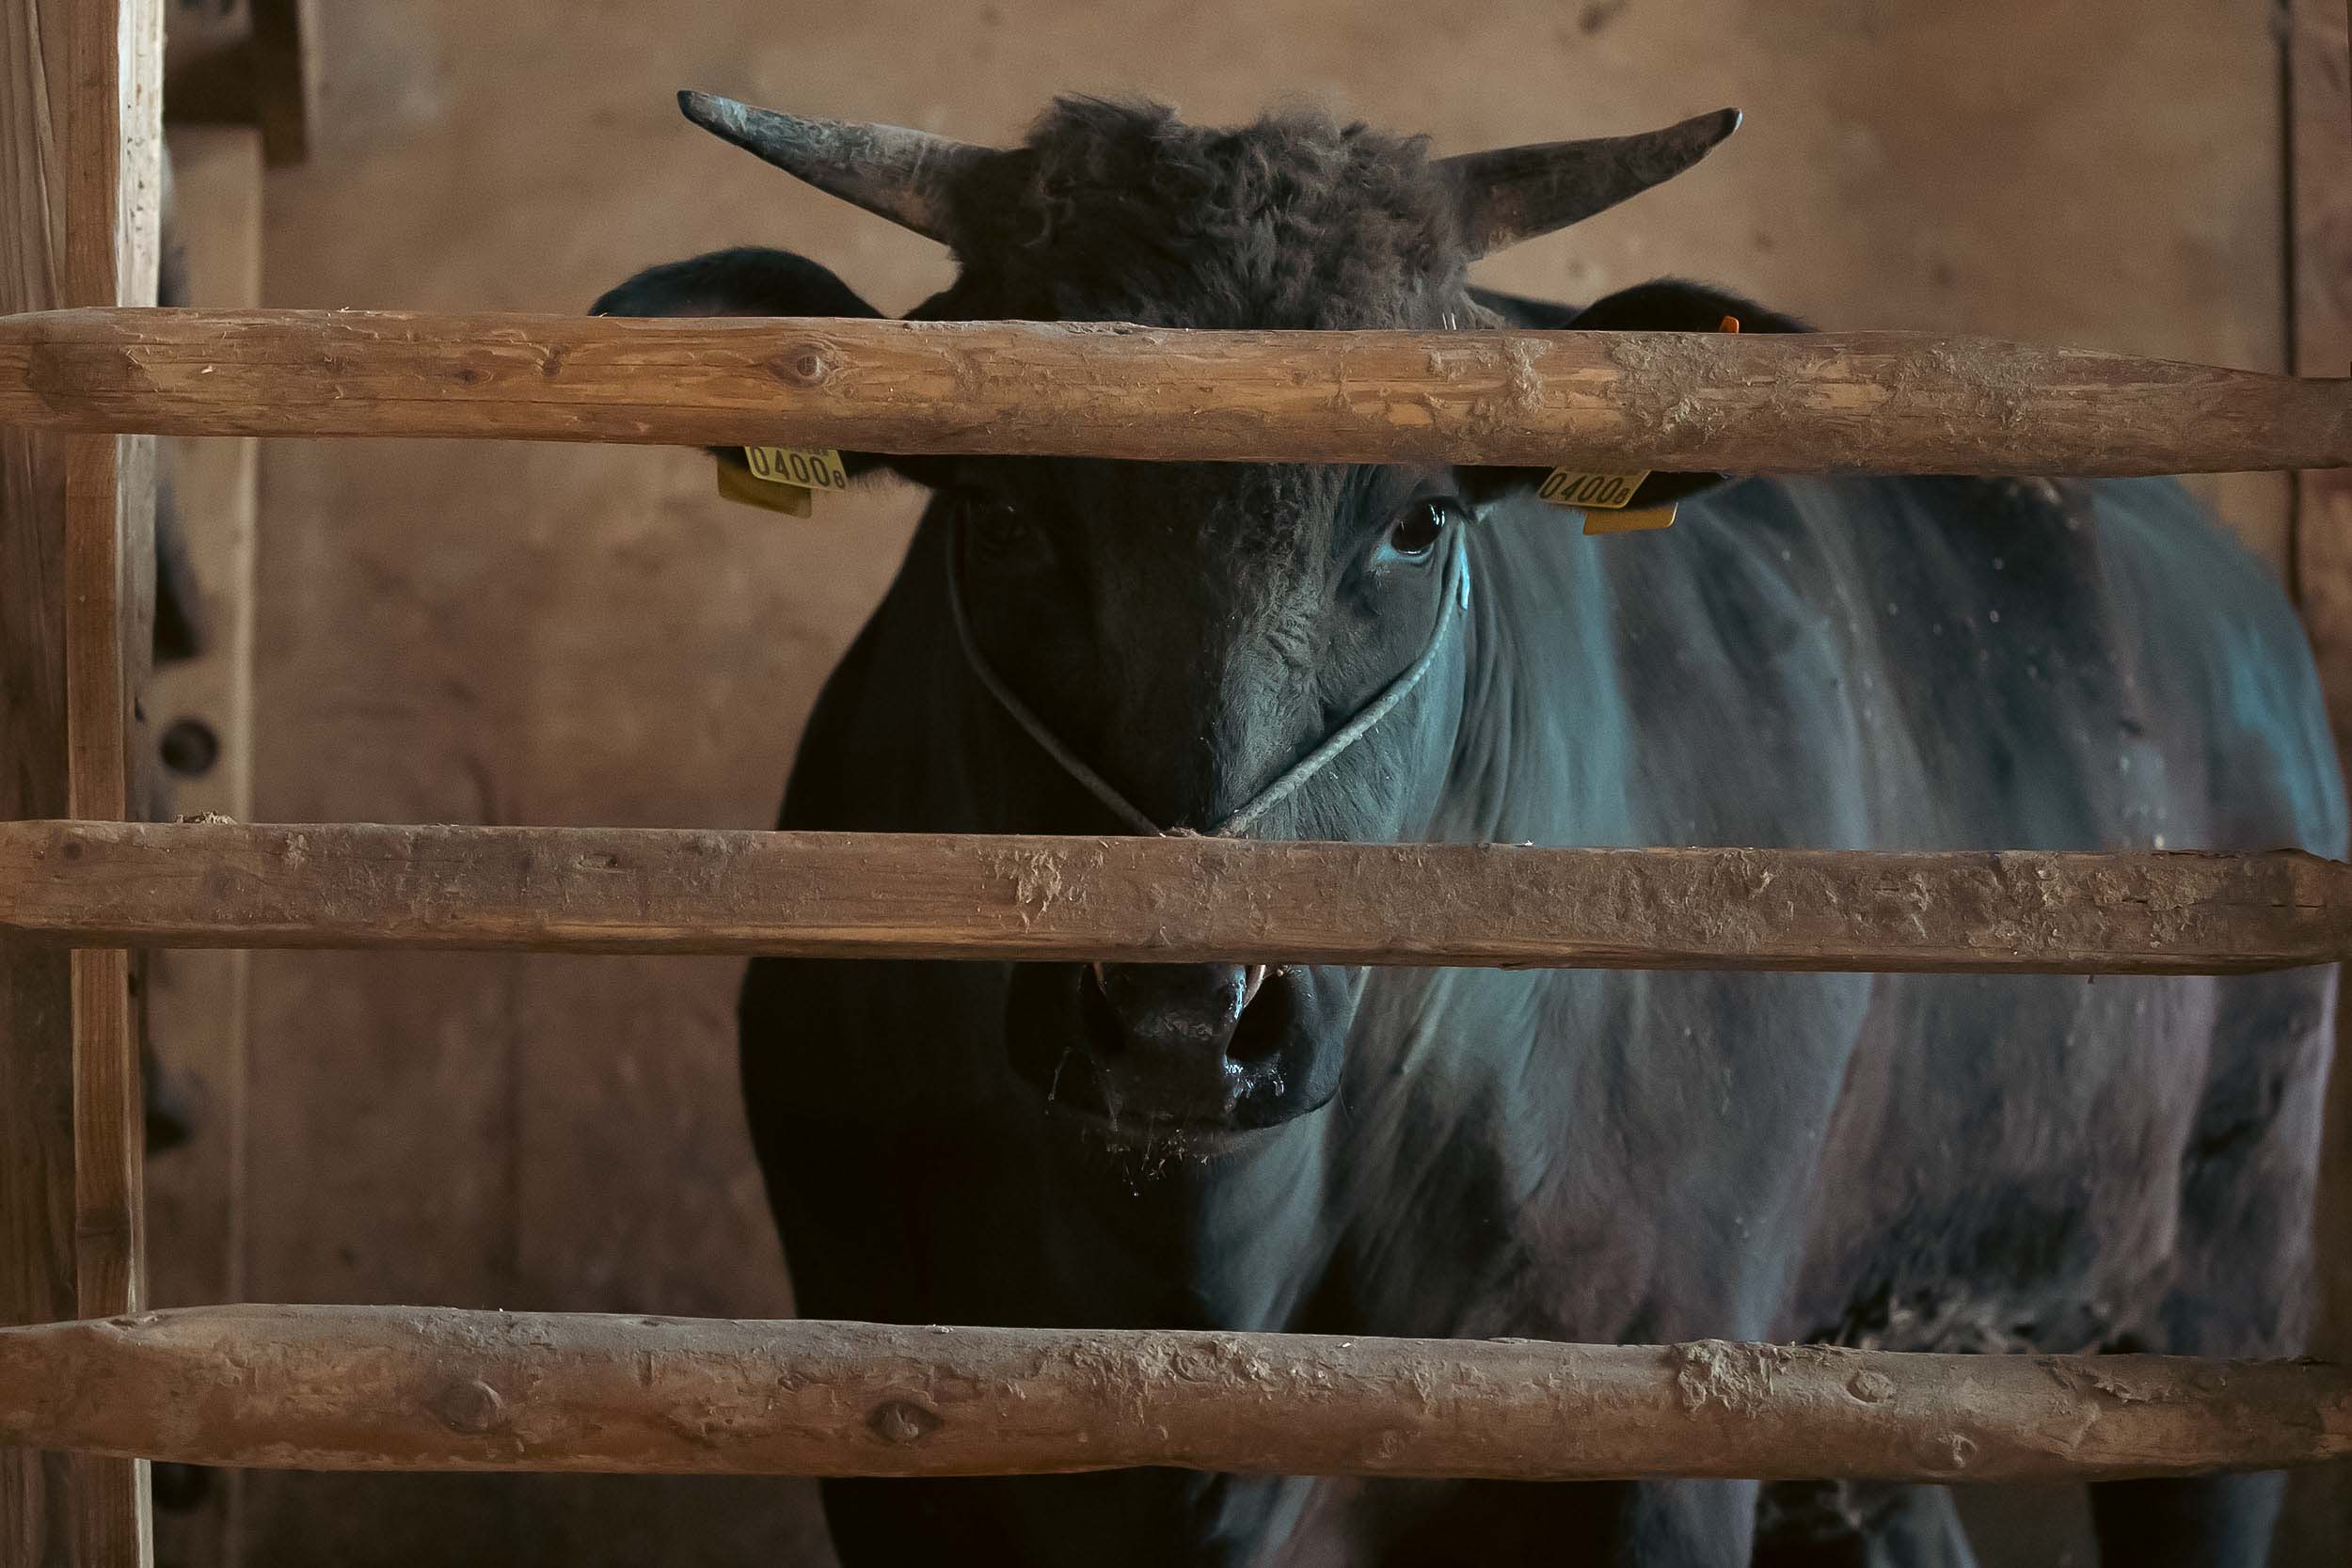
1517 193
892 173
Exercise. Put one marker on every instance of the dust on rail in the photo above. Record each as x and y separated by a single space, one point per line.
1879 402
422 1388
225 884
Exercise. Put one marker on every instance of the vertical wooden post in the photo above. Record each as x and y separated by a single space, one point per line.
37 1280
79 140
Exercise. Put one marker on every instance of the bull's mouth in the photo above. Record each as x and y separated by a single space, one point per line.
1279 1063
1153 1141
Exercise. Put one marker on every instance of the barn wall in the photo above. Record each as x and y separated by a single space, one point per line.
514 634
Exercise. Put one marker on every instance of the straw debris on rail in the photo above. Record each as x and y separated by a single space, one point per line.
618 890
429 1389
1871 402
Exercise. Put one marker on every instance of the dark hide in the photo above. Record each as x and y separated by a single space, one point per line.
1917 1163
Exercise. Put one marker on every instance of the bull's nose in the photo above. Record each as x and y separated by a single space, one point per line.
1167 1043
1179 1006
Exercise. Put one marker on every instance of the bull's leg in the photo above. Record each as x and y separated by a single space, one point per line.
2241 1288
1666 1524
1692 1524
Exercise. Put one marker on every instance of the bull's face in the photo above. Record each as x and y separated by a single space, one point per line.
1192 633
1161 647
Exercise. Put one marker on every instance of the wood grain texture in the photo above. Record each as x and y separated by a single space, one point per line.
645 889
109 110
1882 402
425 1388
36 1281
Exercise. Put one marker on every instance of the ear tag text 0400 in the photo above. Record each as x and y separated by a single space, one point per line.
1602 499
783 479
1607 492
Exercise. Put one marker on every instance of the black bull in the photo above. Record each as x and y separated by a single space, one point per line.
1919 1162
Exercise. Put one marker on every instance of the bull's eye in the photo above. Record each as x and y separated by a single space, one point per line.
999 532
1417 529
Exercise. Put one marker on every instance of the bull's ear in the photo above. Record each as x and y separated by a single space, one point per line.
1667 305
754 281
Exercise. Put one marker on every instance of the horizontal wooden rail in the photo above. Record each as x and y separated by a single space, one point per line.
619 890
1882 403
424 1388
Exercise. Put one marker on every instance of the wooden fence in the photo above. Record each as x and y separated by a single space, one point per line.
84 372
1743 403
421 1389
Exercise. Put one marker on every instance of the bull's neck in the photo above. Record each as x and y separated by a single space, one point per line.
1540 749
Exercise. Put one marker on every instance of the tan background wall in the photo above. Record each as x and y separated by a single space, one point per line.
481 633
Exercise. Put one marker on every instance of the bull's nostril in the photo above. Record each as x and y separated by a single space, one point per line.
1253 981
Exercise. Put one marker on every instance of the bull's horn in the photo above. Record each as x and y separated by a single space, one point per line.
890 171
1517 193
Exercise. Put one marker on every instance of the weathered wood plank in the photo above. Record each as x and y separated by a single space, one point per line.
613 889
426 1388
1885 402
36 987
109 107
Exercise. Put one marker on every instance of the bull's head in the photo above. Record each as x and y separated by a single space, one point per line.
1187 633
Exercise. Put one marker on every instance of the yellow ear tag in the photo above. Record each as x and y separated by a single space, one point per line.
790 499
1609 492
808 468
783 479
1633 521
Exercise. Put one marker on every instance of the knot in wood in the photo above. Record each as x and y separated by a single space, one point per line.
902 1421
469 1406
1871 1387
801 367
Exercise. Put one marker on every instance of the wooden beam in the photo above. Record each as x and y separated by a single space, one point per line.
644 889
1882 402
109 107
427 1388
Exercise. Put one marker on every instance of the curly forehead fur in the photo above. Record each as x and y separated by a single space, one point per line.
1122 212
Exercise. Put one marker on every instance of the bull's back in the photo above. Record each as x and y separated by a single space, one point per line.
1931 664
